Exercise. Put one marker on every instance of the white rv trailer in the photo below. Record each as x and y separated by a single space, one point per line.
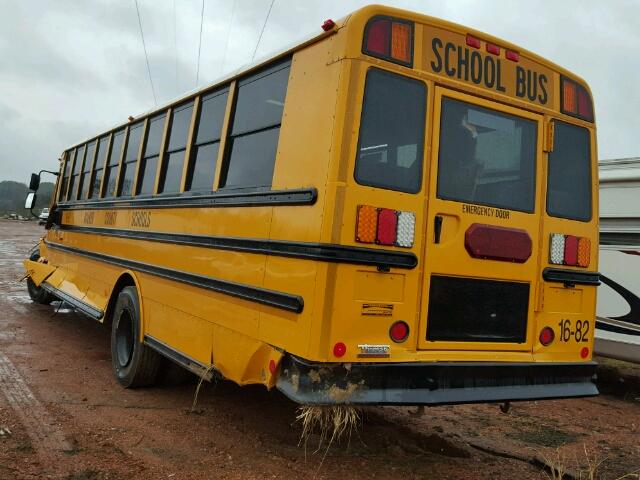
618 311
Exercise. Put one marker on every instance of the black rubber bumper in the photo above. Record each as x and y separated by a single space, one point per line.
437 383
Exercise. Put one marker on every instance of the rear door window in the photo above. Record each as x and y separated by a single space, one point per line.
486 157
569 173
390 147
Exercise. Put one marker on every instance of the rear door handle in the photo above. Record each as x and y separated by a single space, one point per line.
437 228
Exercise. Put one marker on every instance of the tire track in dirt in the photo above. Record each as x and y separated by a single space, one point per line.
47 438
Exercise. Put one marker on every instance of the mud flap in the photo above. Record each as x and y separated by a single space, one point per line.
37 271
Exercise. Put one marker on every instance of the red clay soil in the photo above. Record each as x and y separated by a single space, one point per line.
63 416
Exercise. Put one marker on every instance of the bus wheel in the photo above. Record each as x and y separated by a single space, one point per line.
38 294
134 364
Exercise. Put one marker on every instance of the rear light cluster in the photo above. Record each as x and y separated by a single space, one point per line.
390 39
576 101
569 250
492 48
385 226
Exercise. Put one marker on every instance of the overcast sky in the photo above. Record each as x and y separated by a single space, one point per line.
70 69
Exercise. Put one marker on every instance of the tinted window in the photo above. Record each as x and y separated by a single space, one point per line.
180 122
251 159
261 99
486 157
204 154
149 161
88 164
77 161
147 175
211 117
65 176
390 148
569 175
200 176
111 173
103 143
130 159
171 174
154 136
256 126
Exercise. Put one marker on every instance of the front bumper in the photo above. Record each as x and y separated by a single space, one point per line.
437 383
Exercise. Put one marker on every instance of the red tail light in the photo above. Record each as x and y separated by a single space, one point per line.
547 335
399 332
570 250
584 352
387 226
339 349
497 243
390 39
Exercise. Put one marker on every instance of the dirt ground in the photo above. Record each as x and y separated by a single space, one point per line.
64 416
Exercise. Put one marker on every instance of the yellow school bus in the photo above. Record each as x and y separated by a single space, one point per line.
398 210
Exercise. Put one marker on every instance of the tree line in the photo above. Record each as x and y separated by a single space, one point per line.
13 195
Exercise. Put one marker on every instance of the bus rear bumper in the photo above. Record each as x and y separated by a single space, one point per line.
438 383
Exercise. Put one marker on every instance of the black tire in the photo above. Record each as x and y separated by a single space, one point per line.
134 364
38 294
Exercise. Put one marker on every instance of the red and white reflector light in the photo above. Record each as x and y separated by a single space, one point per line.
385 226
569 250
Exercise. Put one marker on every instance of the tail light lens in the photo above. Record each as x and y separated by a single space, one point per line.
547 335
569 250
576 101
339 349
385 226
497 243
399 332
389 39
584 252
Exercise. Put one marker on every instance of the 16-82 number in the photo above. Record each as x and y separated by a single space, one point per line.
580 333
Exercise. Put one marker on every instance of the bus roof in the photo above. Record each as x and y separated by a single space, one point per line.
363 13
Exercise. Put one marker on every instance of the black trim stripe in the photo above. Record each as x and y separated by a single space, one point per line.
85 308
302 196
571 277
326 252
172 354
285 301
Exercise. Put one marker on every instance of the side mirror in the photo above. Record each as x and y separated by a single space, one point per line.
30 201
34 183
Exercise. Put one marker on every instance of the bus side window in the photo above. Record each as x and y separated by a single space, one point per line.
253 141
149 162
77 167
130 159
65 176
83 188
202 164
111 172
96 177
171 173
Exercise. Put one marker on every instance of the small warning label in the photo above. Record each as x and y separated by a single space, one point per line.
377 309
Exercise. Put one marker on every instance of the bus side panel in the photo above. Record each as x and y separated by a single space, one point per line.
304 150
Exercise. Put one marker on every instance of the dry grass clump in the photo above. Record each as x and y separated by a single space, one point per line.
331 422
558 470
